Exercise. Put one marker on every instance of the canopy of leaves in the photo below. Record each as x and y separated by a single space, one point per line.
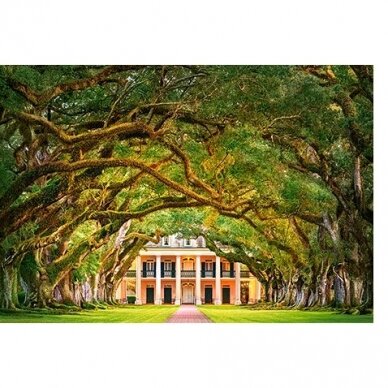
251 156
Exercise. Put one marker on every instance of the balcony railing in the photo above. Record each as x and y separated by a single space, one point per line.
188 274
168 274
149 273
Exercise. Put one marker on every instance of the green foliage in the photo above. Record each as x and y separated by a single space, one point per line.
28 267
6 170
89 266
83 232
24 233
123 150
342 158
9 99
279 131
292 194
185 221
301 195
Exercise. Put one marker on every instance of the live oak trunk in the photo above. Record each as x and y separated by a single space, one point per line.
8 286
94 280
66 290
324 287
45 291
341 287
110 290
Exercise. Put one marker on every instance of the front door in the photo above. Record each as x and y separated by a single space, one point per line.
225 295
208 294
167 295
188 294
150 295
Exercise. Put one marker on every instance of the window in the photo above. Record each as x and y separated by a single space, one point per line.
167 266
150 265
208 266
165 241
187 242
188 264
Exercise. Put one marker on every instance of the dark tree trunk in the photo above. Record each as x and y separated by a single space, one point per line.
323 286
94 282
65 288
45 291
269 292
110 292
8 286
341 287
288 293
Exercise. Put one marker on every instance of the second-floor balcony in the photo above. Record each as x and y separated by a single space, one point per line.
188 274
208 274
168 273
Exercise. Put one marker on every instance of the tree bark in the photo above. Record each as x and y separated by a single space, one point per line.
94 281
9 278
65 289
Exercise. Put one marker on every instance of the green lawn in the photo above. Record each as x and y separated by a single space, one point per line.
245 314
157 314
124 314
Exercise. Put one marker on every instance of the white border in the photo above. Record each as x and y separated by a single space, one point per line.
211 32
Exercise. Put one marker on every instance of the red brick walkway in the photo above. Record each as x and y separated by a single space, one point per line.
188 314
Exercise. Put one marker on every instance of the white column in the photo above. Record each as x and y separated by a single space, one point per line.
198 280
237 283
218 281
138 280
178 285
258 291
158 291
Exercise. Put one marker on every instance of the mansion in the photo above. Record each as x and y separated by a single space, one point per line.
183 271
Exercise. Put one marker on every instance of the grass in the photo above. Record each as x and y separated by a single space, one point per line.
122 314
158 314
248 314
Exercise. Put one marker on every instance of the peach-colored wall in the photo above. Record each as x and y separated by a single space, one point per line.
118 292
208 282
231 284
144 284
124 290
121 293
171 283
252 291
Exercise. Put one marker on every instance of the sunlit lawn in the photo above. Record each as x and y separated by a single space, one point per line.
246 314
157 314
125 314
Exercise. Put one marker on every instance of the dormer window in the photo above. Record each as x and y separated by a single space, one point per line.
201 242
165 241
